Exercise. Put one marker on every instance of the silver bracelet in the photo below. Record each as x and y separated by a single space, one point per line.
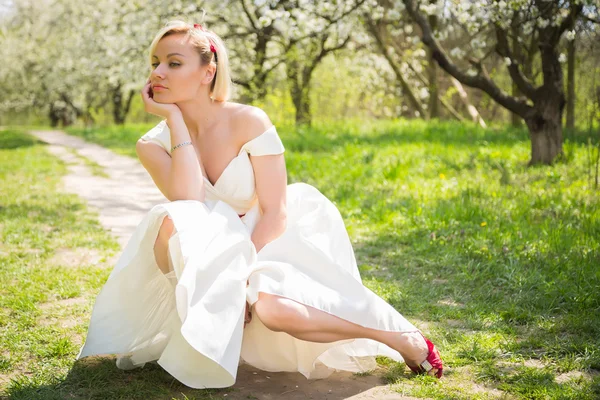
179 145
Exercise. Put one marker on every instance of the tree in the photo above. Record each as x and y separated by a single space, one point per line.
306 50
301 34
541 105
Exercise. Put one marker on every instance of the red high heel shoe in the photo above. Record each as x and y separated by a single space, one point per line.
432 361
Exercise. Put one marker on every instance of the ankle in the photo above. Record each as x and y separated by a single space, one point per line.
415 349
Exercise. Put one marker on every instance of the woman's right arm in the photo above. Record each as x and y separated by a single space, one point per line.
178 176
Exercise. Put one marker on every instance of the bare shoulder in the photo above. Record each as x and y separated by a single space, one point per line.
250 122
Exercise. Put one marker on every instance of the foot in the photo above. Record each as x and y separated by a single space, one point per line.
432 365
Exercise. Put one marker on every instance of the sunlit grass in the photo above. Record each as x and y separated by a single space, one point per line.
497 262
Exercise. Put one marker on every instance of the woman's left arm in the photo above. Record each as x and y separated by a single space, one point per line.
271 185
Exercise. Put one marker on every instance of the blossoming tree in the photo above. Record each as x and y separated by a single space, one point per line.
541 103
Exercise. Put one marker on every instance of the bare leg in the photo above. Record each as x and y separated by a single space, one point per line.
281 314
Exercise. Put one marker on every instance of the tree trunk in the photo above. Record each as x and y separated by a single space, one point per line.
545 131
545 119
258 84
301 99
117 100
571 85
434 111
54 116
119 111
61 115
515 119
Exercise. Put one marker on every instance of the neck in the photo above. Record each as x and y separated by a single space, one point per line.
200 114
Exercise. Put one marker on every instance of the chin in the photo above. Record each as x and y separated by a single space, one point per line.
161 101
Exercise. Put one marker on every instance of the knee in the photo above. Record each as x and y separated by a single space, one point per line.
166 230
274 312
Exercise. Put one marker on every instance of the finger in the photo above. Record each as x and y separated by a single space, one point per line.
146 91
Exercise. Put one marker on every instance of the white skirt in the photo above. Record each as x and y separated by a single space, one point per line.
193 326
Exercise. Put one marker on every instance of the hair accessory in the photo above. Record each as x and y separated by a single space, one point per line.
212 47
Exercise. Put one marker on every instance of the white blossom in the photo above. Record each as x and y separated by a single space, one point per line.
419 53
562 58
429 9
507 61
457 53
571 35
463 17
264 21
394 14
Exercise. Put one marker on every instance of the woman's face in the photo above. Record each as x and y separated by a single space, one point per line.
176 67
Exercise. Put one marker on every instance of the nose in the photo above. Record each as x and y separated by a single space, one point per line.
157 73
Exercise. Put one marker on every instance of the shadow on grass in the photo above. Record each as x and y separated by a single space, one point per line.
14 139
43 213
98 378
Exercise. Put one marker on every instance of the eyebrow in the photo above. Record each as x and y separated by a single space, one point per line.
171 54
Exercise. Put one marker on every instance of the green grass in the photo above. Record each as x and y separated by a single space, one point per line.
45 301
497 262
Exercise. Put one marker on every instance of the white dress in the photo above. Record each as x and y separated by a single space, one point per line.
193 324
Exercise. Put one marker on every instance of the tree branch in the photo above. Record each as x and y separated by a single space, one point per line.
247 12
480 81
324 51
332 20
374 29
590 19
502 48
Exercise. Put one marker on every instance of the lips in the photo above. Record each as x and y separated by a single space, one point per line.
158 87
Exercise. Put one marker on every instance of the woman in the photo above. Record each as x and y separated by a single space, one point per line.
235 240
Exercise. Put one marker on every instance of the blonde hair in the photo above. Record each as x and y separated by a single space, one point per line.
201 39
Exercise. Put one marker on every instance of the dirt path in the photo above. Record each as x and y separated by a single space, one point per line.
122 198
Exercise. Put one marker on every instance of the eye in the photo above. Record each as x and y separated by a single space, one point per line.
173 64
